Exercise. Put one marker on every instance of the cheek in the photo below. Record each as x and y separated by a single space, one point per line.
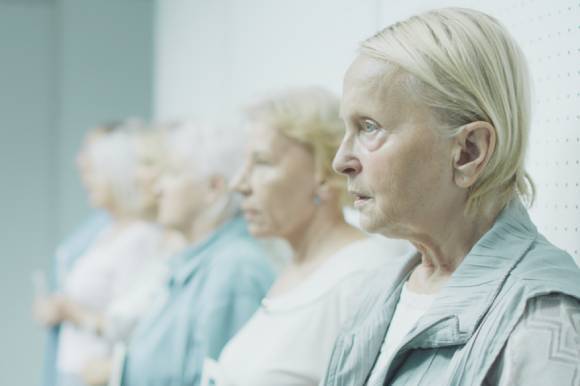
411 179
269 189
282 199
173 196
372 142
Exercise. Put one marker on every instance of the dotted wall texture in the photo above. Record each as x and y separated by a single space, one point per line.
549 34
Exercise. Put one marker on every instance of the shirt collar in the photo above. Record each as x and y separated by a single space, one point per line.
471 290
184 265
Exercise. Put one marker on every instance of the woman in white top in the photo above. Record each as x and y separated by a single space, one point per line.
290 192
108 268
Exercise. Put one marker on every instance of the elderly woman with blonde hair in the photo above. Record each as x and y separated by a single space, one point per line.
437 114
290 191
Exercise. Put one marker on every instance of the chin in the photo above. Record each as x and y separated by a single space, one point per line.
368 225
258 232
167 221
381 226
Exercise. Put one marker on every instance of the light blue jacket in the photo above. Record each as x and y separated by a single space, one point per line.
464 331
215 288
66 255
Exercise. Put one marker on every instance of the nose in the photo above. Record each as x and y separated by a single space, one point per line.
239 182
345 162
158 185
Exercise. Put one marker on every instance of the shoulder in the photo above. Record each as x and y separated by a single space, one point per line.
240 252
545 268
238 265
552 315
544 347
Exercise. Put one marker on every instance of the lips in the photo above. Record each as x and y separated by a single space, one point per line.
249 213
360 199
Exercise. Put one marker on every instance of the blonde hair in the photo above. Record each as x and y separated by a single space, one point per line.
310 116
466 67
151 144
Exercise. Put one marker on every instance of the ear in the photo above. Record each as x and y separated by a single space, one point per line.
324 191
216 185
472 149
217 182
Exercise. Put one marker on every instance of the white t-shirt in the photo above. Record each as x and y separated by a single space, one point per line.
124 312
102 274
410 308
289 339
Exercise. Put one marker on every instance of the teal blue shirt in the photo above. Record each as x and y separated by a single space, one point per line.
215 287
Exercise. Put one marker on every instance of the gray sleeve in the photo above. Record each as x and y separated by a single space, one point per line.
544 348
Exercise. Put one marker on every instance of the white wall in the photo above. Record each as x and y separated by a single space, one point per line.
213 56
105 72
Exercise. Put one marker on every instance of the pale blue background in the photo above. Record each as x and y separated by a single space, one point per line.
65 65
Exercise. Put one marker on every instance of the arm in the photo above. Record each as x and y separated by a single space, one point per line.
55 309
544 348
97 371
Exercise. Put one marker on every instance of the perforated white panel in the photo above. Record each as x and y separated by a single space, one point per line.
549 33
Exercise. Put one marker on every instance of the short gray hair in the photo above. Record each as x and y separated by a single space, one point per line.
212 150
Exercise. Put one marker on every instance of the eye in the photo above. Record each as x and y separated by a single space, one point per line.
368 126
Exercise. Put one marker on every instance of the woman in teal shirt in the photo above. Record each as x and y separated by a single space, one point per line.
217 283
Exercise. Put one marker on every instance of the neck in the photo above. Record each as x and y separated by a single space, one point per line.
206 222
444 249
315 239
120 219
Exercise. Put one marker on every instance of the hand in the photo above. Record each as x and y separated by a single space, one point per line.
97 372
49 310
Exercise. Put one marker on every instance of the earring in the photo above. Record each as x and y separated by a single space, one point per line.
317 200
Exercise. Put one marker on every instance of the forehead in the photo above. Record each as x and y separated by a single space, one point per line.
265 137
372 87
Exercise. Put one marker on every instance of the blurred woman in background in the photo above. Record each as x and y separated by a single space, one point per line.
125 311
216 284
106 268
68 251
290 191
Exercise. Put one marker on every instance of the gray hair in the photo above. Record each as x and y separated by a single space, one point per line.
113 158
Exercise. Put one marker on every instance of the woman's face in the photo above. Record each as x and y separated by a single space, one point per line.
277 182
147 174
83 160
100 190
98 186
399 168
182 195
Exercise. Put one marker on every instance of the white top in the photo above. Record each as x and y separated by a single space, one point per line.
289 339
124 311
102 274
410 308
